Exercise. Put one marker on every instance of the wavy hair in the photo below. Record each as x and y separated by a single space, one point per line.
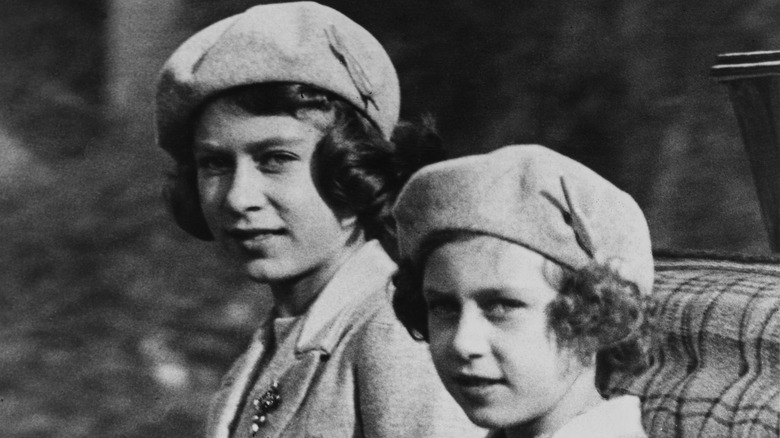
355 169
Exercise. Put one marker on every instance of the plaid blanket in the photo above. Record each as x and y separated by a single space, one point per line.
717 370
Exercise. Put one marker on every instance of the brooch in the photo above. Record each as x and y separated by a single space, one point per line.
265 404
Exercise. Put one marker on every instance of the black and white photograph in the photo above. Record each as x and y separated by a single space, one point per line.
364 219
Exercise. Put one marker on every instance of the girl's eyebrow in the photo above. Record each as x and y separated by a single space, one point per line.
496 292
484 293
205 146
431 293
254 147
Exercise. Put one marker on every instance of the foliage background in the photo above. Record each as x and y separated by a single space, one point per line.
115 323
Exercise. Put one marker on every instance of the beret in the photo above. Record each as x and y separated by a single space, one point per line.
301 42
531 196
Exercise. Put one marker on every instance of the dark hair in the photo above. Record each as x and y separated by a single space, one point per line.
596 311
355 169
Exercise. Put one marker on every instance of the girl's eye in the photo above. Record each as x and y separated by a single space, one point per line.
442 309
276 161
500 309
213 163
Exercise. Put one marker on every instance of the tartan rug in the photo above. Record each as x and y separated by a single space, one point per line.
717 368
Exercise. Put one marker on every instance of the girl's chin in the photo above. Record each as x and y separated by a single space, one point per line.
493 417
266 271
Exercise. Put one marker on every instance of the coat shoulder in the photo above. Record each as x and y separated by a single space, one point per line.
376 328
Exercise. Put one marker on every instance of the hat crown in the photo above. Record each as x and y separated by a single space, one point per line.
301 42
534 197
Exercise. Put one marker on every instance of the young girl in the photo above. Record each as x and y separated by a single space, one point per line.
280 121
529 275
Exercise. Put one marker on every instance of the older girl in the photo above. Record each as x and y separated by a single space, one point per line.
280 121
529 275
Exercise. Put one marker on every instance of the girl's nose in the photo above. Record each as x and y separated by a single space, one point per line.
470 338
247 191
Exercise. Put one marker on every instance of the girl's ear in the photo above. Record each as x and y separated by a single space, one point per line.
553 273
348 221
584 367
352 225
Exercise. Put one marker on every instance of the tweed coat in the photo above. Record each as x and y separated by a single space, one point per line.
357 372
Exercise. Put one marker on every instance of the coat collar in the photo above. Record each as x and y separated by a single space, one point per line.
368 270
616 417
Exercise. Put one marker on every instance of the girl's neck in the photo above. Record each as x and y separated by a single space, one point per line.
581 396
293 297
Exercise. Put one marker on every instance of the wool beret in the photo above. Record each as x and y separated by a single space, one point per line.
301 42
534 197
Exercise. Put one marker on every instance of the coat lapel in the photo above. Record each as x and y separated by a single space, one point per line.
326 321
293 387
235 386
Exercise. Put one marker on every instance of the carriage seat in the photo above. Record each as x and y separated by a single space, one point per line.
717 371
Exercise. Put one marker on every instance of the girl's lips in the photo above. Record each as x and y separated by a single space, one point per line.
473 381
253 239
253 233
477 389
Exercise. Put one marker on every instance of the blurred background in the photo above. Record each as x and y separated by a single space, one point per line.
114 323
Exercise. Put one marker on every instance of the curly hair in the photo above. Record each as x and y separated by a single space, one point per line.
355 169
595 312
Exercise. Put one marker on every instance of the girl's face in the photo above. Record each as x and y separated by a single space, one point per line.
258 197
489 336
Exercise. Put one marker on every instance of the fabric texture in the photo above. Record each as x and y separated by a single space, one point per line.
618 417
282 335
532 196
300 42
357 372
717 371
